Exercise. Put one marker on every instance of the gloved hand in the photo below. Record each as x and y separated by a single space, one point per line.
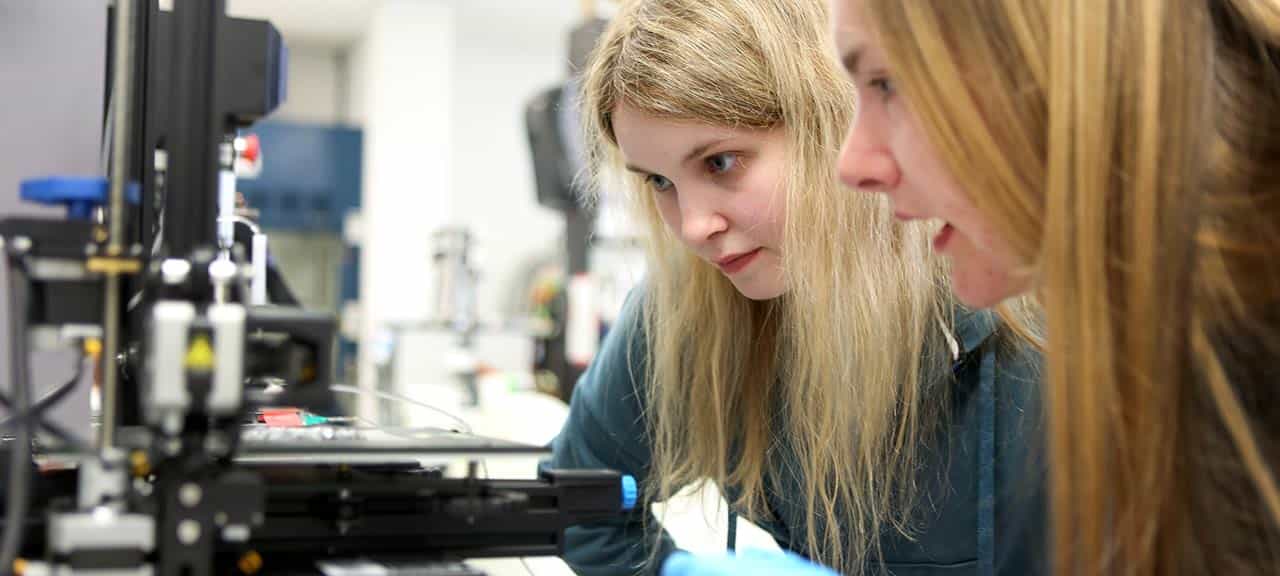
749 562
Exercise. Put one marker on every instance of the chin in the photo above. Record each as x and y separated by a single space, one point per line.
760 291
977 299
980 293
977 279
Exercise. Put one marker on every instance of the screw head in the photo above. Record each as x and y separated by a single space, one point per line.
190 494
188 532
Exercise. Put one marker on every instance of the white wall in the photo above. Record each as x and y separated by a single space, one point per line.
51 63
51 60
406 109
507 50
472 68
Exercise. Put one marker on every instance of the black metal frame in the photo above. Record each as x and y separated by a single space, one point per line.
197 127
315 513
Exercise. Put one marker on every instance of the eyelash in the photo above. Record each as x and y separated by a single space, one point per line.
883 85
662 185
652 182
733 157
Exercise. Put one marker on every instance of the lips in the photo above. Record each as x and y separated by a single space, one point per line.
943 238
735 263
940 239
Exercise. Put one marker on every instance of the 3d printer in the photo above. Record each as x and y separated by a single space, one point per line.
145 272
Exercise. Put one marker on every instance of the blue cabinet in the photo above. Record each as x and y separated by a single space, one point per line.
310 176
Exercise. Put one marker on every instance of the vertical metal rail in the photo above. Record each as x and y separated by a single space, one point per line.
122 99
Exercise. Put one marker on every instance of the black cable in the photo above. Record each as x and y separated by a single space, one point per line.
20 446
49 400
36 414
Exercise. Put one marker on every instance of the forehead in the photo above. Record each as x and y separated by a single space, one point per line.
638 129
848 23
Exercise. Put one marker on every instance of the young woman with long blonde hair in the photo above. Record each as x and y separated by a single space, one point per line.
1121 158
792 343
1119 161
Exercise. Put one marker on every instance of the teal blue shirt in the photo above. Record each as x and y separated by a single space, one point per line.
983 509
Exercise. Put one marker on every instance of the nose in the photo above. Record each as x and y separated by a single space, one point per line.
701 217
866 161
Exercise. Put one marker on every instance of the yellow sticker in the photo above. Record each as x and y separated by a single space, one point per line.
200 354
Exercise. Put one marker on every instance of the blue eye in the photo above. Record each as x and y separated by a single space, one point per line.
658 183
884 86
721 163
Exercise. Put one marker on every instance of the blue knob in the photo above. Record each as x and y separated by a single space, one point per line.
629 492
79 195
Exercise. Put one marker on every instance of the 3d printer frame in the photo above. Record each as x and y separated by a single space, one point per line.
163 490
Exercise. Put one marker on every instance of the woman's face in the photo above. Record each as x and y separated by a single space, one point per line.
886 152
720 190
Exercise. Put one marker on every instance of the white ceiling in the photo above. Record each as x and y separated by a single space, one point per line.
339 23
311 23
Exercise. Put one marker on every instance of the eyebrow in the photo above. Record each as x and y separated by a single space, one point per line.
852 59
697 151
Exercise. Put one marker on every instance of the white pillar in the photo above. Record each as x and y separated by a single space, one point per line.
402 96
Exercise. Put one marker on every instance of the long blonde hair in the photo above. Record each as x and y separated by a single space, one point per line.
1128 149
840 364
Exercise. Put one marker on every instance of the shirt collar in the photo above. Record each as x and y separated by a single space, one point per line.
973 327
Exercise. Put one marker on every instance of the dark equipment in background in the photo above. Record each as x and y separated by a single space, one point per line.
552 124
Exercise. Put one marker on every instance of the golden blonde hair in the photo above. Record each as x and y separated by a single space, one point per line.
1128 149
832 375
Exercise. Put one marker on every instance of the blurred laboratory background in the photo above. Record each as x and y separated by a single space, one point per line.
419 182
400 187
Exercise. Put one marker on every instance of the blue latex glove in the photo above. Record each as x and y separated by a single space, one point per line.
749 562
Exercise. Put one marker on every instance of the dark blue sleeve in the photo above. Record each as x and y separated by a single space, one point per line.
606 429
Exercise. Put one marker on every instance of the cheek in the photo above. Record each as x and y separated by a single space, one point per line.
987 243
762 204
976 262
669 211
926 186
